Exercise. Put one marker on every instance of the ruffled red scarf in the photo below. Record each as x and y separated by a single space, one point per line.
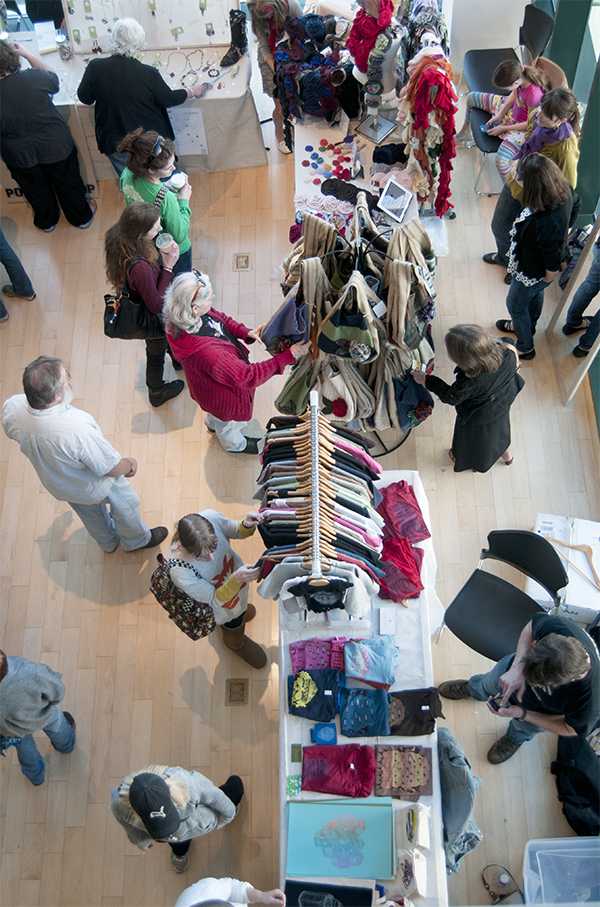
364 32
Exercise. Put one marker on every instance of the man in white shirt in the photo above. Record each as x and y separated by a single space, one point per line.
73 459
229 893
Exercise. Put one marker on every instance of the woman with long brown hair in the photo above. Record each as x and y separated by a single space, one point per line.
134 264
487 382
537 249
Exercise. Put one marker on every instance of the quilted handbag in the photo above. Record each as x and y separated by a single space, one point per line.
196 619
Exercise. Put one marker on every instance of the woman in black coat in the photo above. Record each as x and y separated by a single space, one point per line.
487 382
537 248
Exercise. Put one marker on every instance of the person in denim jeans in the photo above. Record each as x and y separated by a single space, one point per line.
586 291
30 694
551 683
20 284
537 248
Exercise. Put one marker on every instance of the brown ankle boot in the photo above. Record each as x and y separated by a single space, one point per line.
248 650
250 613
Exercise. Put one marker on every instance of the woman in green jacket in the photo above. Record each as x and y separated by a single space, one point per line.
151 160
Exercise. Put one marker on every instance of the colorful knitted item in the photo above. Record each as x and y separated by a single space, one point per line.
403 771
364 32
348 770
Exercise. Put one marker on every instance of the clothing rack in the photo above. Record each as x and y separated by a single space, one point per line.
316 576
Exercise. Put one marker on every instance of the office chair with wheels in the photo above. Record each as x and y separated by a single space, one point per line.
489 613
534 34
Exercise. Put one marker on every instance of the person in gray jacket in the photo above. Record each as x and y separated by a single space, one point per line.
30 694
172 806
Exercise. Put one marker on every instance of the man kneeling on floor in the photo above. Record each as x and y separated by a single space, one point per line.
551 683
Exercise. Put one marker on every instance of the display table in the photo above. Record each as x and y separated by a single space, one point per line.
414 627
581 598
223 125
309 132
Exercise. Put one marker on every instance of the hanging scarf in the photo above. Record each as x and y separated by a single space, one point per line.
364 32
542 136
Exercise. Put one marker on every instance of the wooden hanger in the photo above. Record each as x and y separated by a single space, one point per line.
595 582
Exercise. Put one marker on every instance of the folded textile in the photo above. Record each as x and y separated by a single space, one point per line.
413 712
314 694
403 771
402 514
371 660
348 769
318 652
324 733
402 570
364 713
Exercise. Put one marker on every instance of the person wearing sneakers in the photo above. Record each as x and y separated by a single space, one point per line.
171 805
551 683
30 695
36 144
73 459
576 320
207 568
20 286
229 893
211 347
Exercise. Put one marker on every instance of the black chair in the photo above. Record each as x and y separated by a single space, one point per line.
534 34
489 613
487 144
531 554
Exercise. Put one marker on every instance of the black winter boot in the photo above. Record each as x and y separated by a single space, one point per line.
239 41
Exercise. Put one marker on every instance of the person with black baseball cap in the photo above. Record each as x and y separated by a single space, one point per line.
172 805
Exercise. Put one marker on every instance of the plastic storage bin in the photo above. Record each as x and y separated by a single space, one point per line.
562 871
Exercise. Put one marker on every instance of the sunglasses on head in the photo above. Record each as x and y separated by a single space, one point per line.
157 148
199 276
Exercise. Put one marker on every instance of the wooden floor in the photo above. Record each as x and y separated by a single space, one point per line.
141 692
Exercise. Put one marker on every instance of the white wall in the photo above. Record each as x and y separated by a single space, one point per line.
484 23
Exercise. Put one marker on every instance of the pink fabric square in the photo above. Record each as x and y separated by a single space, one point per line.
317 653
297 655
336 655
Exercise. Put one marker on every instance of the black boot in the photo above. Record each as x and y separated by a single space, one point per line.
239 42
167 391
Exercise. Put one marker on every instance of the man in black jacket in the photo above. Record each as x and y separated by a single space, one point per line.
128 94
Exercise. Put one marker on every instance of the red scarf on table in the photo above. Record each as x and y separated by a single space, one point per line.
364 32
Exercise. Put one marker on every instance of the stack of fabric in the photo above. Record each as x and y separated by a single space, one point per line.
404 527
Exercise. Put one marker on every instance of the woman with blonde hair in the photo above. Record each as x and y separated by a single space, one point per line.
211 346
172 805
487 382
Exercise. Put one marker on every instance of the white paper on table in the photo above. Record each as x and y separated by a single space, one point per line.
188 126
46 35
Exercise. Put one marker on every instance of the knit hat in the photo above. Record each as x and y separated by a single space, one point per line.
149 796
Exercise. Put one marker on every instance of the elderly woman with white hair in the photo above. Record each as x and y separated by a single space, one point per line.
210 346
127 93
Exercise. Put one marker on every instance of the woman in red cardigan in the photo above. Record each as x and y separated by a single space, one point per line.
210 346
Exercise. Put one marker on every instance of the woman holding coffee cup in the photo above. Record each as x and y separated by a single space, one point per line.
150 177
140 260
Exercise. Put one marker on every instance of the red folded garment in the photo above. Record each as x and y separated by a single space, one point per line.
402 565
348 769
402 514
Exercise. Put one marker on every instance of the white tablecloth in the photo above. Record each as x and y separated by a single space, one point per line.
414 627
